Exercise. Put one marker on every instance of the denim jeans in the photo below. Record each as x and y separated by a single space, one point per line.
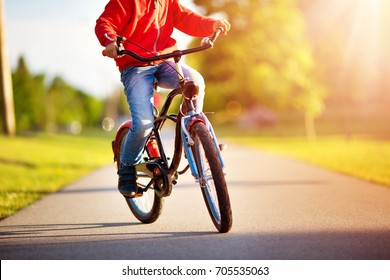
138 83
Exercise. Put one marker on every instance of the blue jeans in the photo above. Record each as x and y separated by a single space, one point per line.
138 83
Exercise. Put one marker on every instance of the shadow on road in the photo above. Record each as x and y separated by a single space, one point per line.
114 241
89 190
93 229
244 183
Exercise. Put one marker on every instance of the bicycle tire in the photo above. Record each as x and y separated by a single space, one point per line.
148 207
211 178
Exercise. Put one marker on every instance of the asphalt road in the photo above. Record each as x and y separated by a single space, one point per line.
282 209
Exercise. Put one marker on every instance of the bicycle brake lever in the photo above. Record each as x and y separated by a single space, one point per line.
119 43
206 41
210 40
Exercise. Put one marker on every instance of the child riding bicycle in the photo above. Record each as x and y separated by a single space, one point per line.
148 26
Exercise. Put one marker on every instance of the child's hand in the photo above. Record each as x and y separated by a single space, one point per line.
222 24
112 50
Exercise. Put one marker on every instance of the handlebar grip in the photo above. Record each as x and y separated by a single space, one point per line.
216 34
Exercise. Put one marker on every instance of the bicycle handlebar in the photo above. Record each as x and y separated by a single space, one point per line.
207 43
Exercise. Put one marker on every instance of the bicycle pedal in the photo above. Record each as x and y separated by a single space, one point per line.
138 194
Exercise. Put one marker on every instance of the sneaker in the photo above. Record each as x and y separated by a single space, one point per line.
127 181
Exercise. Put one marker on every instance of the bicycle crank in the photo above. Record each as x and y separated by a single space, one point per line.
159 179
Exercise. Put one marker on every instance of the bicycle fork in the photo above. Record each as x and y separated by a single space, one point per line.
186 125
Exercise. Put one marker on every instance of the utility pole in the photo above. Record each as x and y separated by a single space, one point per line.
6 91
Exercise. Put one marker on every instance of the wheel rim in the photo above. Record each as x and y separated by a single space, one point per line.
212 201
207 183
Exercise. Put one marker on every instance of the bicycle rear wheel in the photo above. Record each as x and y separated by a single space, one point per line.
211 178
148 207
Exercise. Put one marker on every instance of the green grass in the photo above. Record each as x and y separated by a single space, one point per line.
33 166
364 158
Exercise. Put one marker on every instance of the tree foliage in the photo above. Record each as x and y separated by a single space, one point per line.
265 59
49 107
29 94
69 104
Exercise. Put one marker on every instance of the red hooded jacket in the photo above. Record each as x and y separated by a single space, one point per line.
148 25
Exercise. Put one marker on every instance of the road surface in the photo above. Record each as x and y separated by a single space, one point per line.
282 209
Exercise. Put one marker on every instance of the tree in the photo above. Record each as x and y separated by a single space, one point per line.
71 105
265 60
47 108
29 92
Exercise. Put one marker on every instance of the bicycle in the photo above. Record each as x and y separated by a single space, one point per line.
157 175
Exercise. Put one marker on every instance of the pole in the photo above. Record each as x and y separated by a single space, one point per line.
6 81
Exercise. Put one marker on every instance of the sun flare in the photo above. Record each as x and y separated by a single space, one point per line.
361 27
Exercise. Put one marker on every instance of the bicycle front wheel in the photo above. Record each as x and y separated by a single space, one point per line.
211 178
148 207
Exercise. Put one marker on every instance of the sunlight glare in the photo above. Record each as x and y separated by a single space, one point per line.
364 46
352 37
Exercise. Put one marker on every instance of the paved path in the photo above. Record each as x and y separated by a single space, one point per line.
282 209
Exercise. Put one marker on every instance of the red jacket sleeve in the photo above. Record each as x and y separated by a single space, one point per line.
190 22
114 18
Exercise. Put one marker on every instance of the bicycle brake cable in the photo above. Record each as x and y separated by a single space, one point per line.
156 56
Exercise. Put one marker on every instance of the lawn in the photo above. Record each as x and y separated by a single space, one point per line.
33 166
361 157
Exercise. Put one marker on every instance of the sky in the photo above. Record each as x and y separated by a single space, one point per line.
58 38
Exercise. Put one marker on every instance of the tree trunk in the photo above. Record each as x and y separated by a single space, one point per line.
6 82
310 127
